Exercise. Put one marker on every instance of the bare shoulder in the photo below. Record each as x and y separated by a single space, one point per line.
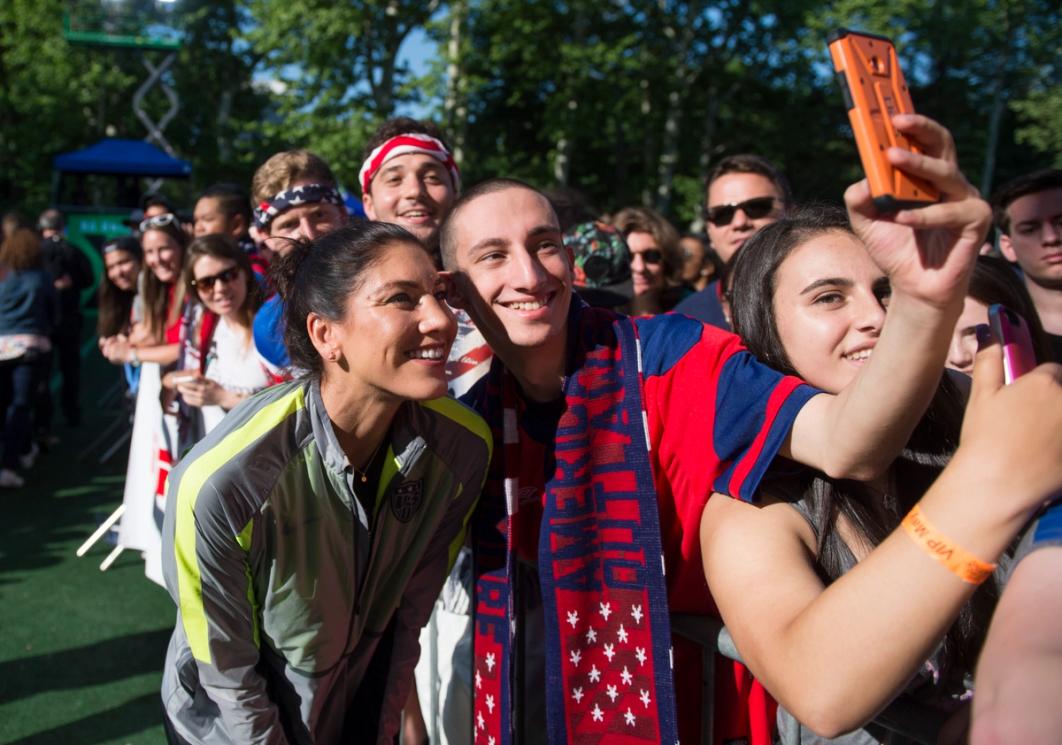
729 524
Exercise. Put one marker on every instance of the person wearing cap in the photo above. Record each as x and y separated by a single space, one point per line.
296 199
601 265
71 273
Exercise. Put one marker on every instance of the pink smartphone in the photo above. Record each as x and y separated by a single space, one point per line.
1013 335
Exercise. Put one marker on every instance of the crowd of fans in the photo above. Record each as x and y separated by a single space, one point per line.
815 368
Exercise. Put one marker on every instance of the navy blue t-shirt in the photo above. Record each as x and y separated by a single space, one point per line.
704 305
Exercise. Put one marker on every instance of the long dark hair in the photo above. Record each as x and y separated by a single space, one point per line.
934 440
318 277
220 246
115 304
159 312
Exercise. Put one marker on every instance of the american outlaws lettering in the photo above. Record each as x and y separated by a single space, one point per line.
608 672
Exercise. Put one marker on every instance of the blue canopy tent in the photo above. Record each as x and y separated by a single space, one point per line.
108 175
123 157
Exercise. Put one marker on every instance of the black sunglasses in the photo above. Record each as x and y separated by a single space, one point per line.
722 214
158 221
207 283
651 256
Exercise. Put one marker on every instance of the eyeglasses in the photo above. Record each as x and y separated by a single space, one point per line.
206 284
722 214
158 221
650 256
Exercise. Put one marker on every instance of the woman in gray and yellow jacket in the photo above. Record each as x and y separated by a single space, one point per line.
307 537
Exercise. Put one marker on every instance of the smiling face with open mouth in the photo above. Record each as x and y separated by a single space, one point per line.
221 285
414 191
829 306
162 255
513 271
397 330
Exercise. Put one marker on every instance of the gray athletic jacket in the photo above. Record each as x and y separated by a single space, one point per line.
298 612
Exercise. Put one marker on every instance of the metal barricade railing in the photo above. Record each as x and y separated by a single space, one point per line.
911 720
713 638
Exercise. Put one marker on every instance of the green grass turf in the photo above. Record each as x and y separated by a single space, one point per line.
81 650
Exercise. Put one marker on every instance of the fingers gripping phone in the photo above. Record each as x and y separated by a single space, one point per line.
1010 330
874 90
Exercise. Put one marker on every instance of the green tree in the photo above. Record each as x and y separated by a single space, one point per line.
218 125
60 96
1041 123
335 70
55 96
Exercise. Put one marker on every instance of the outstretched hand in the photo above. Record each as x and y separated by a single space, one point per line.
927 253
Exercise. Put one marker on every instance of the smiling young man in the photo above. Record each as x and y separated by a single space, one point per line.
612 433
409 177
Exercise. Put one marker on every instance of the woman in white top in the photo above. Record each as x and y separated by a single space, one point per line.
219 274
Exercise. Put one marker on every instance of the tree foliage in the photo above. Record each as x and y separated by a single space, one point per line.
630 101
336 69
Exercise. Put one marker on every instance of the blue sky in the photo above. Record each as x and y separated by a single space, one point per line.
417 51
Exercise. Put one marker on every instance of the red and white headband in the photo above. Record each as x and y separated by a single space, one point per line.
405 144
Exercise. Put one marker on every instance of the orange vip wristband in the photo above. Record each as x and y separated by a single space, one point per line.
953 557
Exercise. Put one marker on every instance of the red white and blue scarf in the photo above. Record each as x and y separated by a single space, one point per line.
608 657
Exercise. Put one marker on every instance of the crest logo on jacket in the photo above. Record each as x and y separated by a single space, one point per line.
406 500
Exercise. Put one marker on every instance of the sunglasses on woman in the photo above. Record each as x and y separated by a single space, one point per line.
158 221
650 256
206 284
722 214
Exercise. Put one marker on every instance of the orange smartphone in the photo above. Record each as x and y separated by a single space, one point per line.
874 90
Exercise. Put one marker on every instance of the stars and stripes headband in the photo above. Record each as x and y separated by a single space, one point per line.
306 194
405 144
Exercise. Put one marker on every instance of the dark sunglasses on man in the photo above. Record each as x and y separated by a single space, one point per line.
722 215
650 256
206 284
158 221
